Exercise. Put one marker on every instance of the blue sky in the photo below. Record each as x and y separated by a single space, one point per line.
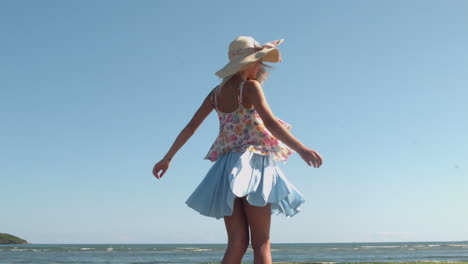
93 94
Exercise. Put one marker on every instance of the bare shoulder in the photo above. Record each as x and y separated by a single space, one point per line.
253 88
258 100
252 83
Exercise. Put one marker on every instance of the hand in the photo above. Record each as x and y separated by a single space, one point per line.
311 157
162 166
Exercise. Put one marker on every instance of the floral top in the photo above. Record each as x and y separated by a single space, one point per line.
244 129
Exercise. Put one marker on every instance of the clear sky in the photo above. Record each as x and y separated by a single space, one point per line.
93 94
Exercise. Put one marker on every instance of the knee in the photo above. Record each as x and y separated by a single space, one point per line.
261 244
239 244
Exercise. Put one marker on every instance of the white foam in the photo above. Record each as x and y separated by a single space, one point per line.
201 249
381 246
186 248
86 248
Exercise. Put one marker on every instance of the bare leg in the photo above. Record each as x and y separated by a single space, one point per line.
238 234
259 219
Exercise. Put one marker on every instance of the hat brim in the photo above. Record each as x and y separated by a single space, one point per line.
266 55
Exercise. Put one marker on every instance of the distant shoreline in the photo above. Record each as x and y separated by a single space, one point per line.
7 239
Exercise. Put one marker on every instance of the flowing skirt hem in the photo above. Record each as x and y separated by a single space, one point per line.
245 174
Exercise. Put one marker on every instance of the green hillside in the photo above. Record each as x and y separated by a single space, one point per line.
10 239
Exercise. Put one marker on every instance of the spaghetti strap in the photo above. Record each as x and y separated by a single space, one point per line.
215 96
239 95
240 92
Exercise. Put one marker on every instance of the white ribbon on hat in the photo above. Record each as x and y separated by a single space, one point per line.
255 48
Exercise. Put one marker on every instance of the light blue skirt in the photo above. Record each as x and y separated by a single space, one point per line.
239 174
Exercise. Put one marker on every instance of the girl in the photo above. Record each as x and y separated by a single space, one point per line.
244 185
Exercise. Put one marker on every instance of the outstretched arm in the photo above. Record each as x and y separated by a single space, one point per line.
255 93
202 112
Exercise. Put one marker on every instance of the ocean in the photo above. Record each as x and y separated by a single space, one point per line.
213 253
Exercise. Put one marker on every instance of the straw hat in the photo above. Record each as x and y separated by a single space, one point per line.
244 50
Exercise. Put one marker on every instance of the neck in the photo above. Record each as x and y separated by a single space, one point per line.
246 76
239 78
242 78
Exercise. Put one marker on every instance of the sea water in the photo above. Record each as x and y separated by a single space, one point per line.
212 253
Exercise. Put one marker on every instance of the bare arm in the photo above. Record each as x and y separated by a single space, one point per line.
255 94
202 112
